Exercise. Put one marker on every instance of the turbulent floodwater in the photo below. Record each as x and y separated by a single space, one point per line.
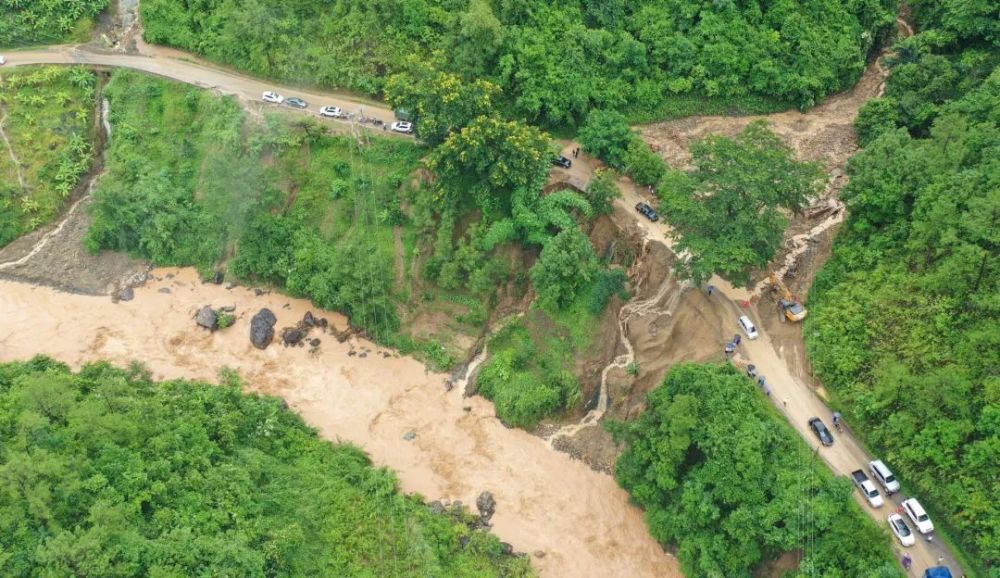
546 502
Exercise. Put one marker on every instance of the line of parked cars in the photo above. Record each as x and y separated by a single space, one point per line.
328 111
879 471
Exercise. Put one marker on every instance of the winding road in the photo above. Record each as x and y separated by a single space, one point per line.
190 69
791 394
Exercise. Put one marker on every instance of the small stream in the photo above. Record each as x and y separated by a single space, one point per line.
631 310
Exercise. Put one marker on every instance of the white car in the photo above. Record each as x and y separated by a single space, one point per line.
3 61
901 530
332 112
748 327
273 97
402 126
919 517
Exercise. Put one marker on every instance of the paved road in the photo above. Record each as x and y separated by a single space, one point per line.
802 403
799 402
191 70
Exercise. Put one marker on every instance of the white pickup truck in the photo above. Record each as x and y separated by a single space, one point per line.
867 487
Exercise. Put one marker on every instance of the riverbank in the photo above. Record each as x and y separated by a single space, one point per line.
573 520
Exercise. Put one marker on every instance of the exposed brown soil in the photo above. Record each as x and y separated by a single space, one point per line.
65 263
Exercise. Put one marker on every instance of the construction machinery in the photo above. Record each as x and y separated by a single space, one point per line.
794 311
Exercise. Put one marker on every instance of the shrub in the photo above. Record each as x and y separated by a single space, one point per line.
642 164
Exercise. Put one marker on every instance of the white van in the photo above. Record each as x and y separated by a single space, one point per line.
881 473
748 327
920 518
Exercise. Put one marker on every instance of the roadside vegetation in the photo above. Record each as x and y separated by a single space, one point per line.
47 125
905 323
552 62
108 473
47 21
725 478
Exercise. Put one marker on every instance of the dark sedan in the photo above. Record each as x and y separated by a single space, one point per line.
819 428
561 161
647 211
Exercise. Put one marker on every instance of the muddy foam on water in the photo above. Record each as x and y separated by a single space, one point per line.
546 502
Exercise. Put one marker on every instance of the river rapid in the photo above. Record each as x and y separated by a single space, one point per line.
573 520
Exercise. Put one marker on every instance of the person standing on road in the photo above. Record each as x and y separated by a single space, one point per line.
907 561
737 339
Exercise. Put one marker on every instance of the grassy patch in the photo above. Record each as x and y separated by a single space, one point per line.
47 117
38 22
531 372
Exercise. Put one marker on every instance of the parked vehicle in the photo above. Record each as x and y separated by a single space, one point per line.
938 572
296 102
898 526
561 161
881 473
332 112
819 428
273 97
918 516
402 126
647 211
3 60
748 327
868 489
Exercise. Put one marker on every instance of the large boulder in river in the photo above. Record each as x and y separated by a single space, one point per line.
293 335
207 318
262 328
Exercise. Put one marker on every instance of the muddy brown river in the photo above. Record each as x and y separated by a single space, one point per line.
579 520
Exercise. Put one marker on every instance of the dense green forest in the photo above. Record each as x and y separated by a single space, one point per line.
905 323
47 21
552 61
108 473
46 118
722 475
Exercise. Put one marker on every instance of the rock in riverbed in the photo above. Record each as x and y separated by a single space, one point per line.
486 505
292 335
207 318
262 328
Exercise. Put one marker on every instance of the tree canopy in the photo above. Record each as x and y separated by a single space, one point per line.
724 477
567 264
107 473
553 62
727 212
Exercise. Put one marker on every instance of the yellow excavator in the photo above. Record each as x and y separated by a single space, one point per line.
794 311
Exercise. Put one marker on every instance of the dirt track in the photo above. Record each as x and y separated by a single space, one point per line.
190 69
